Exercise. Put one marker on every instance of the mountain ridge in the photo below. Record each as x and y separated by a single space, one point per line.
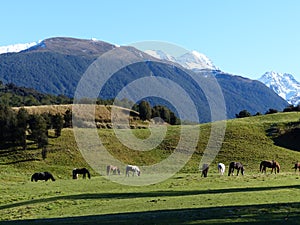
56 65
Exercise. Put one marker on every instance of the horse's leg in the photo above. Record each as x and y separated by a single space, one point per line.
107 170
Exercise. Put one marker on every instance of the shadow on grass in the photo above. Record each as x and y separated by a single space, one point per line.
145 195
278 213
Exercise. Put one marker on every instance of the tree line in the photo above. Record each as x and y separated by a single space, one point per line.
290 108
147 112
18 126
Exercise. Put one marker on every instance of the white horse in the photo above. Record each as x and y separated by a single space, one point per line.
221 168
133 169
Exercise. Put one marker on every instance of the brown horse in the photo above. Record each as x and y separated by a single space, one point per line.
113 169
236 165
297 166
270 164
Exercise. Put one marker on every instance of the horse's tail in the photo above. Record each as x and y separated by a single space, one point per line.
74 173
32 177
229 169
278 167
260 167
51 177
88 173
107 170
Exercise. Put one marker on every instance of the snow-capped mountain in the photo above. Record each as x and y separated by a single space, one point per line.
284 85
17 47
191 60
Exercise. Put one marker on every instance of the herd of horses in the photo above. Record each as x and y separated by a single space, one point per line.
110 169
114 170
274 165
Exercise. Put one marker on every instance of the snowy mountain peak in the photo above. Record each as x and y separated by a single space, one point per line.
191 60
17 47
161 55
284 84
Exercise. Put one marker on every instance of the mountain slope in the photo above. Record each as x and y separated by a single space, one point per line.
56 65
284 85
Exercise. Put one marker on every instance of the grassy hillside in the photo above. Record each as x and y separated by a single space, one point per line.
185 198
245 140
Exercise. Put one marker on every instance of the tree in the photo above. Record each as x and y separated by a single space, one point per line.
8 124
68 118
272 111
57 123
22 123
174 120
145 110
38 128
242 114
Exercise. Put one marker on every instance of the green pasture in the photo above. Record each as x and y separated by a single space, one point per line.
185 198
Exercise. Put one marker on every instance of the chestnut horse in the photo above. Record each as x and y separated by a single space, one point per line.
297 166
270 164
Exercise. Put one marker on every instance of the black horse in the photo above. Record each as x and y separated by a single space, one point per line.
236 165
42 176
83 171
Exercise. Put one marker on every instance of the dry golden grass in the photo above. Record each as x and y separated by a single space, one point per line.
102 113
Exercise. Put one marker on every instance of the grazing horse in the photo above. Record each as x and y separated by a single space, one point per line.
270 164
221 168
113 169
42 176
297 166
204 170
235 165
133 169
83 171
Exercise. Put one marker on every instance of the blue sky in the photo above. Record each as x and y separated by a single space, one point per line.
246 38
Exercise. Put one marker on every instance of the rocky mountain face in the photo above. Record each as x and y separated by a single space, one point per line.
284 84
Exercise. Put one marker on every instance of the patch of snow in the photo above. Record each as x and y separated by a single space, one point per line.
191 60
17 47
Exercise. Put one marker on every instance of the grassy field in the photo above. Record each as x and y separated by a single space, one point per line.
185 198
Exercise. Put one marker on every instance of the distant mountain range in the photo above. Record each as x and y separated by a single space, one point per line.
56 65
284 84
